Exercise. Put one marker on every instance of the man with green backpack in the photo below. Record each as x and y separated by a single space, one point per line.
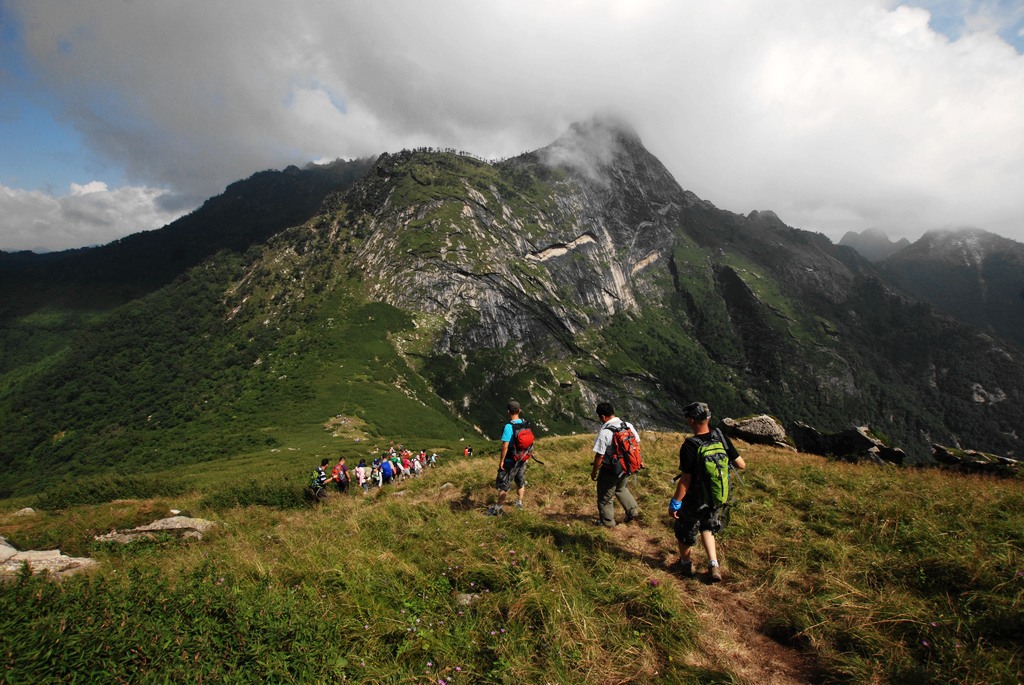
702 492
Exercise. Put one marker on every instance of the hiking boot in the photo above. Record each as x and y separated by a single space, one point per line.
715 574
519 504
633 516
495 510
599 522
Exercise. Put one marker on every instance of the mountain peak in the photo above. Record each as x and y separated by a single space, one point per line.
591 146
873 244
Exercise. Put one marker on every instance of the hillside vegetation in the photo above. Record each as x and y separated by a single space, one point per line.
835 573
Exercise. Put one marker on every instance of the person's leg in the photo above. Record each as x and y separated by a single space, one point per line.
626 498
501 483
520 483
686 535
707 538
606 485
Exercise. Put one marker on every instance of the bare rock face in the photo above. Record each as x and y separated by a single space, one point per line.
185 527
51 562
761 430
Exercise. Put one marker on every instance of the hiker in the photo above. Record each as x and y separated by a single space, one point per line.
511 462
318 480
363 476
340 475
611 483
387 472
698 504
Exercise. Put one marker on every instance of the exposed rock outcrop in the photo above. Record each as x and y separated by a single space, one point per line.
185 527
51 562
852 445
972 461
761 430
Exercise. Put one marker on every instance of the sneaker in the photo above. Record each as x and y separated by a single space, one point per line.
715 574
495 510
519 504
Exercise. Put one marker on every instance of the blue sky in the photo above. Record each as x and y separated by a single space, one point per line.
836 114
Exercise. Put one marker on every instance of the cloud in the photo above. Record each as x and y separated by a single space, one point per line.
90 214
837 115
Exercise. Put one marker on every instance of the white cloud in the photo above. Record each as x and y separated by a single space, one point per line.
837 115
89 215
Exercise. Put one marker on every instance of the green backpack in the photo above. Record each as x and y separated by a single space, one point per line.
715 473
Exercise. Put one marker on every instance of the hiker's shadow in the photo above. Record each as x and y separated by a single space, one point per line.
593 538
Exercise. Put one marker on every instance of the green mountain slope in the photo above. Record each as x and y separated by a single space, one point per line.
438 286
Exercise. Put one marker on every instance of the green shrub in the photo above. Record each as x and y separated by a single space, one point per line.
276 495
106 488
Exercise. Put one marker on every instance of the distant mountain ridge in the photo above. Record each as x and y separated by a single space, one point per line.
248 212
971 274
420 297
873 244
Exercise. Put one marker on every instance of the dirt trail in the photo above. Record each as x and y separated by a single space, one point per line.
728 613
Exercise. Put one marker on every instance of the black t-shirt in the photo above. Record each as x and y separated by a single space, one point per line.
689 462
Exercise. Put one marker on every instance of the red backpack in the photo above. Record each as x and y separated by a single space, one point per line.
521 444
625 455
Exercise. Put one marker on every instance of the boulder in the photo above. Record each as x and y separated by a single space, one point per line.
852 445
761 430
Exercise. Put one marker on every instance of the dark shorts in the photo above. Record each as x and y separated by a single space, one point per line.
690 524
514 472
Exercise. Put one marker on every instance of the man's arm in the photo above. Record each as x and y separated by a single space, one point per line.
740 464
682 485
501 457
598 459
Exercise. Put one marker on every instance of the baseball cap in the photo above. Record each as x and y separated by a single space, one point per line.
697 410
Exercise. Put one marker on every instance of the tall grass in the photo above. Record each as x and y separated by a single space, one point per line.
874 575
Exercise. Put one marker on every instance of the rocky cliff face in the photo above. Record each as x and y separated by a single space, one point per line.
583 271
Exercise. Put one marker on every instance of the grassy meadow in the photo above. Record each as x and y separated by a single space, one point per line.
834 573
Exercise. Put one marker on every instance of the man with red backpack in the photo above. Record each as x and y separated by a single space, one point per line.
516 449
616 457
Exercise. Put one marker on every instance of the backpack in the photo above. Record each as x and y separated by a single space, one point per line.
625 456
713 470
521 443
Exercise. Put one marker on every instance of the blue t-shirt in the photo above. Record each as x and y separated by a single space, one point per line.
506 435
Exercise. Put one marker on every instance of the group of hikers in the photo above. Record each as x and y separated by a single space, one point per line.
393 466
702 484
696 508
